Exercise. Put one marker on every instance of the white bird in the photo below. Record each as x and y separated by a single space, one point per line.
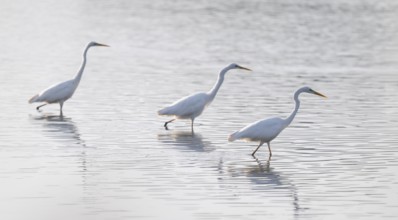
62 91
266 130
192 106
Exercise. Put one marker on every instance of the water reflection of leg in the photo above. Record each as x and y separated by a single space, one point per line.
60 126
280 181
261 166
186 139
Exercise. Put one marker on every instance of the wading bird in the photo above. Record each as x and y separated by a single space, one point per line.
266 130
192 106
62 91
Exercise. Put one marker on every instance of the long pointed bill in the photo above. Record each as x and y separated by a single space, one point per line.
103 45
317 93
244 68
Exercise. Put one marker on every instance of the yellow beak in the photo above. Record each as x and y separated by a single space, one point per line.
244 68
320 94
103 45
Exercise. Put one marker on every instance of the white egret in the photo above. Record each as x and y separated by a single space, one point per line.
192 106
266 130
62 91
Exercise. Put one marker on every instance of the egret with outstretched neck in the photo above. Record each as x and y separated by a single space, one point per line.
264 131
62 91
192 106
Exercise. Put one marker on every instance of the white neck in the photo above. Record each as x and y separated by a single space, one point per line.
79 74
213 92
289 119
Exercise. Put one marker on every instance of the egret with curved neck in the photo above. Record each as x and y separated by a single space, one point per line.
192 106
62 91
264 131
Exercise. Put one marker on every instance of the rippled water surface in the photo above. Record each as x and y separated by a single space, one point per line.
109 156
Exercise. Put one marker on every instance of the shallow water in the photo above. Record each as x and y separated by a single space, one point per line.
109 156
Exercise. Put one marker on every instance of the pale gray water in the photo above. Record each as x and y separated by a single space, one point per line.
109 156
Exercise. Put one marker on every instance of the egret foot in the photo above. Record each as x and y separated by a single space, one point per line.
38 107
165 124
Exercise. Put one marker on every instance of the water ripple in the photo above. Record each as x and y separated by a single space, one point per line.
109 156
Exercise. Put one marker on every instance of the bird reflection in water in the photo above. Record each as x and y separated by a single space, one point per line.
265 178
63 129
186 140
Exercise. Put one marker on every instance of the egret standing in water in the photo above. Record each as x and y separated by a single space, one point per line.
192 106
62 91
266 130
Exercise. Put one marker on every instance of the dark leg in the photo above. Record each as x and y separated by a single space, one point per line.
192 125
61 104
165 124
269 148
261 143
38 107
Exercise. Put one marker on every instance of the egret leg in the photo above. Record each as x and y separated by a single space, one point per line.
165 124
192 125
269 148
61 104
261 143
38 107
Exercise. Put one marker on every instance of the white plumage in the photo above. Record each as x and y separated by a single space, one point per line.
187 107
255 131
55 93
264 131
192 106
61 92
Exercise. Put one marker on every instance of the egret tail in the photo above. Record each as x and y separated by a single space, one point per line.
233 136
162 111
33 99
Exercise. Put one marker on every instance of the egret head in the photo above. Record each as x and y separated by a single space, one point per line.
93 44
236 66
309 90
